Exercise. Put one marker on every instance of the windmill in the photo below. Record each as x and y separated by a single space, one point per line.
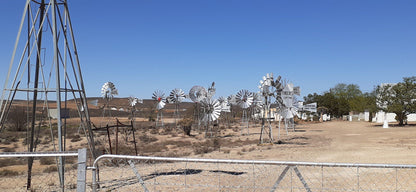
225 107
197 94
45 66
108 91
269 89
211 90
132 103
257 105
289 105
211 112
160 99
244 99
176 96
231 101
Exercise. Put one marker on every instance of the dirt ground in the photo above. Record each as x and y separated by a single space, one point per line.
334 141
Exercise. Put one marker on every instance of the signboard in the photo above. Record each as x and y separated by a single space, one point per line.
310 107
287 95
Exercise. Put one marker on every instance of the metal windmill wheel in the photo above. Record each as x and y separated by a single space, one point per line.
268 91
197 94
108 91
211 112
160 99
176 96
244 99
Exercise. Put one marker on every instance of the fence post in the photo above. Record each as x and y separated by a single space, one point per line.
82 168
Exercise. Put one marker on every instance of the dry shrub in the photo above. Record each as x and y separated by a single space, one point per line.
207 146
167 130
179 143
9 149
175 153
147 139
50 169
47 160
8 173
151 148
12 161
75 138
186 125
154 131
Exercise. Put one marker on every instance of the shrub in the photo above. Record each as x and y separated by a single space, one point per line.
8 173
17 119
75 138
147 139
50 169
186 125
47 161
8 149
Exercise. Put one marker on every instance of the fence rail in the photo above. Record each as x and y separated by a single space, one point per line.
44 175
127 173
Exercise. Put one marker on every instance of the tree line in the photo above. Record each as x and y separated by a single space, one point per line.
398 98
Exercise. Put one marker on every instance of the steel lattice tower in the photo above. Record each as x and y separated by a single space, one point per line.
45 66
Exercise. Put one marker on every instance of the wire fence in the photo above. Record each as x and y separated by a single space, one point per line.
136 173
44 174
139 173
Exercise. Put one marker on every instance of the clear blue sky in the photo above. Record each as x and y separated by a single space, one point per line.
144 45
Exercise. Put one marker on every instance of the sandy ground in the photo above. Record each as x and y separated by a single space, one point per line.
335 141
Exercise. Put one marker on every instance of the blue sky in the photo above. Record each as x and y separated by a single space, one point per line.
143 45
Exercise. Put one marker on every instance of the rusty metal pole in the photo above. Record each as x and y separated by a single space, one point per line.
109 140
117 138
134 138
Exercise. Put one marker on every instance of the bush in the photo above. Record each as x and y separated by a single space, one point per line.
17 119
75 138
186 125
12 161
50 169
147 139
8 173
47 160
8 149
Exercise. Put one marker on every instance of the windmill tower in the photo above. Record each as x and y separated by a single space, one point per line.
197 94
45 66
160 99
269 89
176 96
108 91
244 99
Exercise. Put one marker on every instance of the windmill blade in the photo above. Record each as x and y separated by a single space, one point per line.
225 107
132 101
211 90
244 98
94 102
232 100
212 109
197 93
296 91
159 97
176 96
108 90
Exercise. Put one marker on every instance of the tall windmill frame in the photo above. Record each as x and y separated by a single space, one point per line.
40 17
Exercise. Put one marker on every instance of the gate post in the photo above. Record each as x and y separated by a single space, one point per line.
82 168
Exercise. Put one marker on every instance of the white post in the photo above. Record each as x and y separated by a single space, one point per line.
385 124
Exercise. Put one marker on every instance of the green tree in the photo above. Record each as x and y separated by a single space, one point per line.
398 98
